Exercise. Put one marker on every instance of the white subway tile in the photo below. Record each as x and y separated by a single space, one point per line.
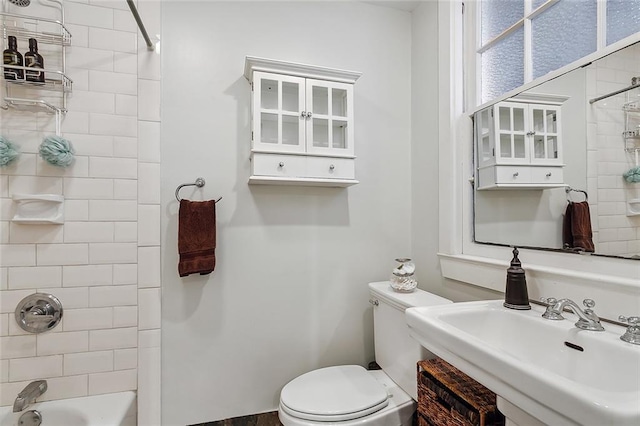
88 319
4 371
6 209
76 122
126 63
110 4
17 255
116 338
123 295
101 253
88 232
71 298
116 381
149 141
148 183
29 234
149 338
11 298
125 316
123 21
105 167
149 63
4 279
149 267
78 168
116 210
76 210
148 225
125 189
149 98
126 232
87 275
62 343
85 101
88 188
34 185
88 362
125 359
62 254
35 277
41 367
4 324
126 105
151 10
119 41
126 147
92 145
149 308
25 164
80 35
115 125
4 231
80 79
4 186
17 347
113 82
65 387
89 15
149 386
125 274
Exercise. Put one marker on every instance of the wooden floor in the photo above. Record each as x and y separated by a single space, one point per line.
264 419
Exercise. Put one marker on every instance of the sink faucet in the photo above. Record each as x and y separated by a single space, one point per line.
588 320
29 394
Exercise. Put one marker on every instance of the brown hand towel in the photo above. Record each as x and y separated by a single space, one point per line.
567 236
196 237
577 227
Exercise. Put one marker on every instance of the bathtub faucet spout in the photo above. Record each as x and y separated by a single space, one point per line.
29 394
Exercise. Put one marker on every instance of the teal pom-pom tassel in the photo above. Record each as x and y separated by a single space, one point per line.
8 152
57 151
632 175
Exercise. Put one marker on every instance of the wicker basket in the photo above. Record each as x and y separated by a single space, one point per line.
448 397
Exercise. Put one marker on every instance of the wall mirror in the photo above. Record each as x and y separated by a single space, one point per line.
591 144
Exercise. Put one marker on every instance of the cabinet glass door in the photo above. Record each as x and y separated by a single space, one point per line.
278 102
511 121
545 133
330 118
486 154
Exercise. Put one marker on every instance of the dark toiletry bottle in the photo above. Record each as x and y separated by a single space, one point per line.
516 295
11 56
33 59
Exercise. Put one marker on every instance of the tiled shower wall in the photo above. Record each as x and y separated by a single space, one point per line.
615 232
103 262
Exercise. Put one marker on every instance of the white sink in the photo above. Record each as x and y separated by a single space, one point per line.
523 358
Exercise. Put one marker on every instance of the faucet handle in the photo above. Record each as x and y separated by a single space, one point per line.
632 334
549 301
589 303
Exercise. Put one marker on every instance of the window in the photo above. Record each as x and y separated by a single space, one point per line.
521 40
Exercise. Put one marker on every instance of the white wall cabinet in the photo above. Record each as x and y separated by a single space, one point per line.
302 124
519 145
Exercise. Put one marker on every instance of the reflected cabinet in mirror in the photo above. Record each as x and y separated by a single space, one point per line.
556 167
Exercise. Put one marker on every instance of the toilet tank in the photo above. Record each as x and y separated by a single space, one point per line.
396 351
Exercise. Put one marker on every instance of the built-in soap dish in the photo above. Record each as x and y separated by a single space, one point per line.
633 207
39 209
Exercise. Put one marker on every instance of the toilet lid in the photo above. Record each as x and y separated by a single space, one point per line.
334 393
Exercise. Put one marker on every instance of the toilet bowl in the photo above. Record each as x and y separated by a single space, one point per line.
349 395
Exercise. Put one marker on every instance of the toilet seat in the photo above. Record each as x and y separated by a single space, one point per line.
335 394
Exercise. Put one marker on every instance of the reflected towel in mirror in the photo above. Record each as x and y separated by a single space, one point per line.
576 227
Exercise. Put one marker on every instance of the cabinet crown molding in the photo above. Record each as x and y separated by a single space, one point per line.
253 63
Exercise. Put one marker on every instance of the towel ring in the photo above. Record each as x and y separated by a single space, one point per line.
568 189
199 183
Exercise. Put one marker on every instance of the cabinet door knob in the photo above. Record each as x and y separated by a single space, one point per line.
303 114
281 164
331 167
516 174
549 174
309 115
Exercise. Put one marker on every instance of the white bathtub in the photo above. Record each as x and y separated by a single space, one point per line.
113 409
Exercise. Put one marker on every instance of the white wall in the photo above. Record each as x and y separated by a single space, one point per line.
289 293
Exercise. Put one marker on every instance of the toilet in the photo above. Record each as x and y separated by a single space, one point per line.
350 395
